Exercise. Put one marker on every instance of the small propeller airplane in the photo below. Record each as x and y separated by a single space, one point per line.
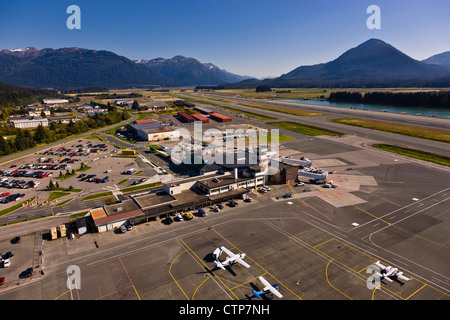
230 260
268 288
391 274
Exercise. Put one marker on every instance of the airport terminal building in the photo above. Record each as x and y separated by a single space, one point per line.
178 197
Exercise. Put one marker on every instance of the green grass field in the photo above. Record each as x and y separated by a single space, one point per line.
255 115
304 129
417 154
142 187
97 196
286 110
418 132
57 194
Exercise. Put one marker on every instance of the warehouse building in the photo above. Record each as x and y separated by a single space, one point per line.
153 131
183 103
199 117
55 101
220 118
185 117
28 122
203 110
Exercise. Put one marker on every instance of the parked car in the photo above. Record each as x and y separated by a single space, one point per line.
15 240
232 203
202 212
8 255
6 263
167 221
188 216
26 274
2 281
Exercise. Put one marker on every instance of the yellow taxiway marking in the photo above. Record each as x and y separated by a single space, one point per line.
200 286
415 292
61 295
132 284
173 276
328 280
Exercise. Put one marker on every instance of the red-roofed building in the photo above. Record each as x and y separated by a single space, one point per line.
185 117
144 121
220 118
201 118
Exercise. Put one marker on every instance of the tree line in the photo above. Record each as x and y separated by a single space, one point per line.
22 139
434 99
11 96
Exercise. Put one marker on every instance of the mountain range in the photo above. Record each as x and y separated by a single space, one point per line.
442 59
183 71
373 63
73 68
69 68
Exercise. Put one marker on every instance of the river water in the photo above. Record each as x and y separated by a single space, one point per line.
440 113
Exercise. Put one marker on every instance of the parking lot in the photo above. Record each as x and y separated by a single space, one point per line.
66 165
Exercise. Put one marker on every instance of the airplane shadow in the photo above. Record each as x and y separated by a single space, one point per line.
211 271
393 279
210 258
263 296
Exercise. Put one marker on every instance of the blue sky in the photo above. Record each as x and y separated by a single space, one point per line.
252 37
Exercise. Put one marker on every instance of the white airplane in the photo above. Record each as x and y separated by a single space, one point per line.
268 288
231 259
389 273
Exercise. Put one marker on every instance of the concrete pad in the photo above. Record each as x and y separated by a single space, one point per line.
323 163
340 199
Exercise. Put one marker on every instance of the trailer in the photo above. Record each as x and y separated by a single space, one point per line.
62 230
54 233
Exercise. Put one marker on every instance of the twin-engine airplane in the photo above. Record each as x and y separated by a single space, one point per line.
389 273
268 288
230 260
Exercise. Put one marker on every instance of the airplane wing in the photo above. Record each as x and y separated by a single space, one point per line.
380 265
401 276
236 257
242 262
228 252
220 265
268 286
